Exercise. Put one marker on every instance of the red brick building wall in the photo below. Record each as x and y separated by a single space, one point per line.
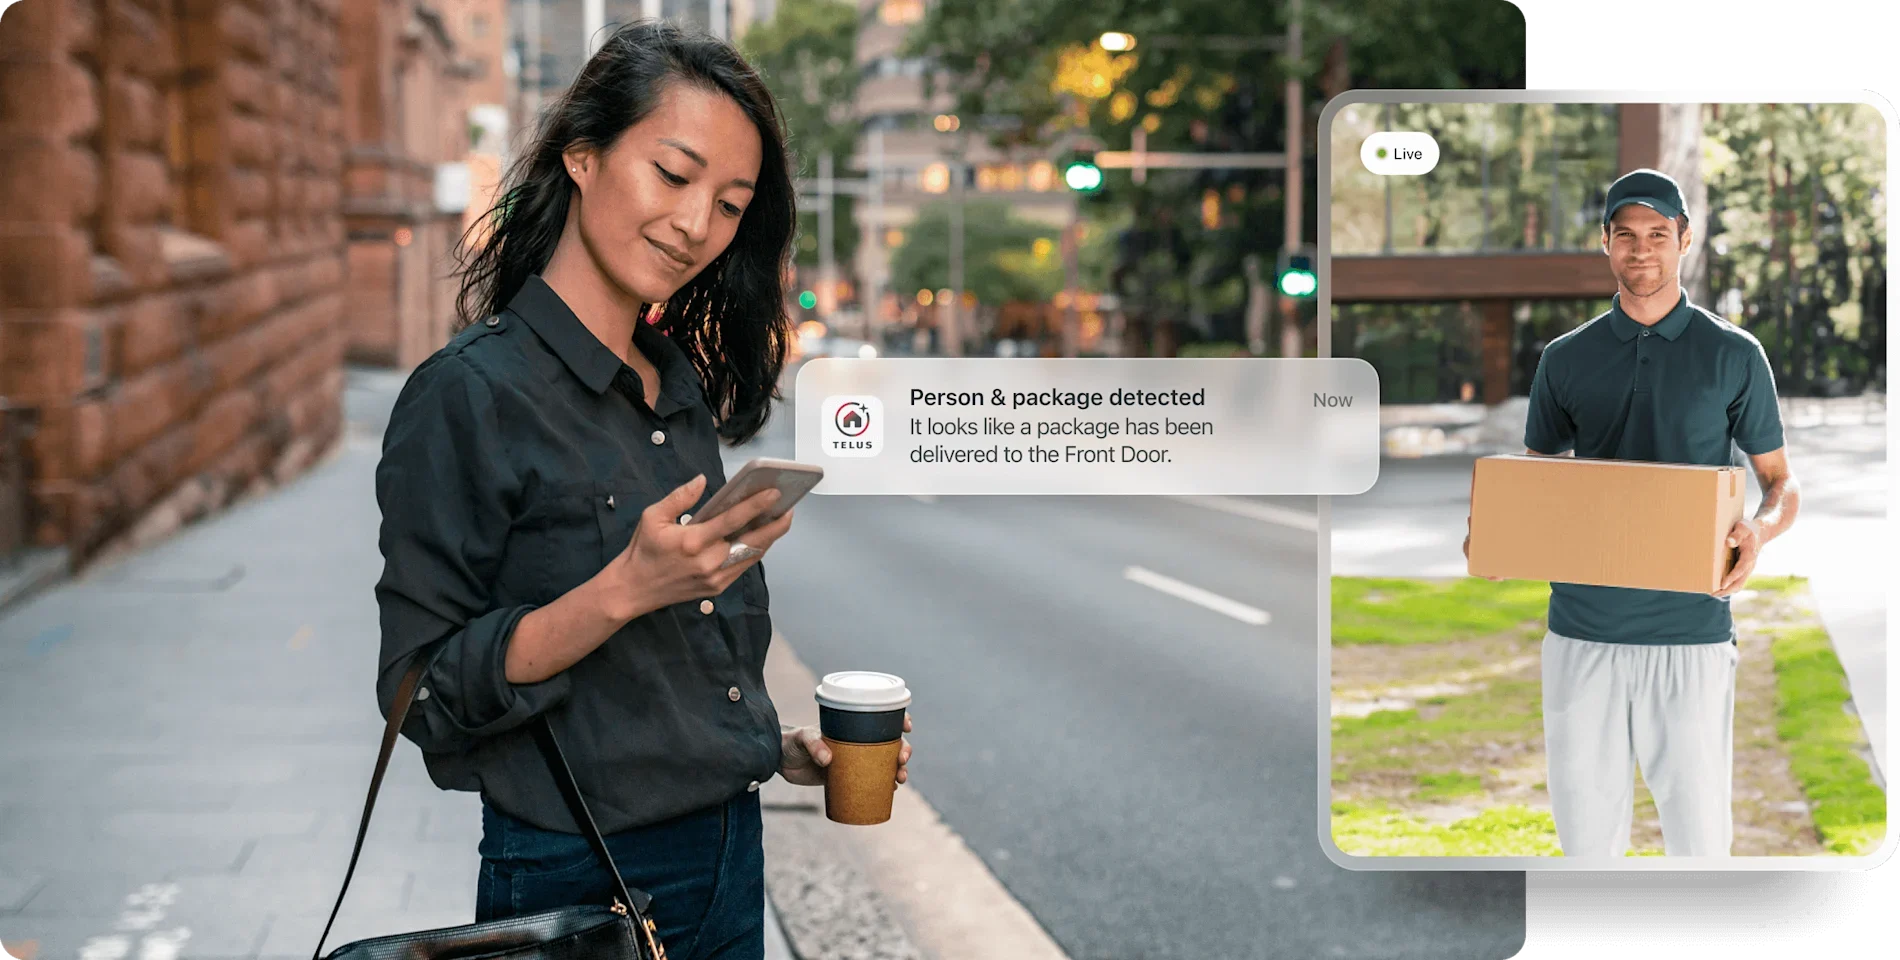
171 256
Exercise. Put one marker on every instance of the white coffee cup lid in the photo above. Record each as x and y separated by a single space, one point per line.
863 690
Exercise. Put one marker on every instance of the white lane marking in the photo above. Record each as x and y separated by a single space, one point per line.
163 944
1193 594
144 908
1253 510
105 948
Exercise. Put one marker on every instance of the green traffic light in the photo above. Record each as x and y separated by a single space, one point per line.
1082 177
807 299
1299 283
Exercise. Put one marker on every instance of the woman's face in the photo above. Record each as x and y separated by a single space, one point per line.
668 197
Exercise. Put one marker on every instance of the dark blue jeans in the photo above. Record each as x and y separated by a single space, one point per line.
705 870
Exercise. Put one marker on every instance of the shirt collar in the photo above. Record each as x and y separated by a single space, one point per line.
590 360
1669 327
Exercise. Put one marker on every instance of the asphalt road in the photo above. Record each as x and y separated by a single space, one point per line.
1138 769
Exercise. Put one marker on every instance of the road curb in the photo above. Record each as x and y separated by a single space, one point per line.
35 570
909 888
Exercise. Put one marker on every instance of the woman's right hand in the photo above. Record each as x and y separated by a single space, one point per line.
668 562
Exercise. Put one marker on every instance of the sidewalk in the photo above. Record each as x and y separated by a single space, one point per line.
191 731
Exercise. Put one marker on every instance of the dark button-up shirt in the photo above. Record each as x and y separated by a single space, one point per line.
516 464
1679 391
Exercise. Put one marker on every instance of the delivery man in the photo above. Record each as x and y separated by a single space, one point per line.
1649 675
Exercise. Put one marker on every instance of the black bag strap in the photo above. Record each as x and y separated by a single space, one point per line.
557 765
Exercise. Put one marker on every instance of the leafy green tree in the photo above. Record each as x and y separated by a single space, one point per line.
1002 259
805 54
1797 243
1203 76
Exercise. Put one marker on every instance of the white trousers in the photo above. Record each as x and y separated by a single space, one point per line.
1669 709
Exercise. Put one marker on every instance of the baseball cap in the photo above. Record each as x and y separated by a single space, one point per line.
1651 188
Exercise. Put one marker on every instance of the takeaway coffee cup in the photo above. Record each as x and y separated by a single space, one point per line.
861 715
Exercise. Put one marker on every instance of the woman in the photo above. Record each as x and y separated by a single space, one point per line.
537 476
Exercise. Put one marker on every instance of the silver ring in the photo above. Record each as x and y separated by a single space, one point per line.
740 553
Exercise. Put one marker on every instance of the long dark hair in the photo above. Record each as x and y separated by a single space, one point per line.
730 319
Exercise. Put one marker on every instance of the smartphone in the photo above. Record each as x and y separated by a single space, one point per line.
793 480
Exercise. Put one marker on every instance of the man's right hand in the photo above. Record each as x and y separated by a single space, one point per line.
669 562
1468 549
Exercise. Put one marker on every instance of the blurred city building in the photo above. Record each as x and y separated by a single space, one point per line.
407 79
918 150
549 40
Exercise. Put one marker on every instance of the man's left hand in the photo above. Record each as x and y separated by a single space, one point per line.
807 755
1747 538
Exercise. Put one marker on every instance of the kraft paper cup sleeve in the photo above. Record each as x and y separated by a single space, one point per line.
860 781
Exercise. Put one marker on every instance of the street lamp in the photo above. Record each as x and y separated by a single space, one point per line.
1117 42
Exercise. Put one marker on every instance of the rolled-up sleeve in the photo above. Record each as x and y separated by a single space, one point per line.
447 494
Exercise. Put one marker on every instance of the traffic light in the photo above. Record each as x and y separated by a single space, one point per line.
1296 275
1082 175
807 299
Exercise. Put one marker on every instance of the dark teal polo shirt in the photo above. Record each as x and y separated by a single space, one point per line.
1680 391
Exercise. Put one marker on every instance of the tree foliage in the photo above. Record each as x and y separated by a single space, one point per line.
1510 176
1002 260
805 54
1797 243
1203 77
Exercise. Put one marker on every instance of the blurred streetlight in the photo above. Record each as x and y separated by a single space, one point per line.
947 122
1083 176
935 178
1117 42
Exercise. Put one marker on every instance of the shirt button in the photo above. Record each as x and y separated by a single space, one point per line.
732 693
422 694
705 606
685 518
494 321
610 501
659 437
752 787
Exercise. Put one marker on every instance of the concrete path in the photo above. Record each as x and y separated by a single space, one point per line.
190 730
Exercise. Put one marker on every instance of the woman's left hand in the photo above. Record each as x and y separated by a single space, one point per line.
807 755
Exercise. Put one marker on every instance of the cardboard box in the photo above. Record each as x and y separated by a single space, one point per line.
1615 523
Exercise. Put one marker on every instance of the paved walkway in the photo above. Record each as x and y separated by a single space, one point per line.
190 732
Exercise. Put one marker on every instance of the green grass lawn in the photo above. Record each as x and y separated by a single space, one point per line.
1382 610
1824 742
1392 765
1373 830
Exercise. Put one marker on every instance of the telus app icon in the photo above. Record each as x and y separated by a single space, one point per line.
853 426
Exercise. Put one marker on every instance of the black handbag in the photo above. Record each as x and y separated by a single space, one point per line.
623 931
